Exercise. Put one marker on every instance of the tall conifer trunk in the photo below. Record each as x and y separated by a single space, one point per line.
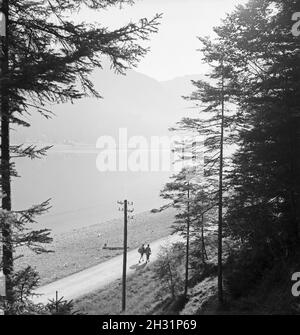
220 209
5 160
187 244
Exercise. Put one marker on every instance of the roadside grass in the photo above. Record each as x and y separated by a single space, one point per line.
143 291
145 296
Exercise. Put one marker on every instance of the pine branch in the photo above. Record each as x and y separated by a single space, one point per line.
30 151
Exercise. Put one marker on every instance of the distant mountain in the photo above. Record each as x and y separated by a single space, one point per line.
182 86
135 101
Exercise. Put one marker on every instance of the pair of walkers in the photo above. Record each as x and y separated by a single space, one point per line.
144 250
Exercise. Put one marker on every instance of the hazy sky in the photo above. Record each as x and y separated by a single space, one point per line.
173 50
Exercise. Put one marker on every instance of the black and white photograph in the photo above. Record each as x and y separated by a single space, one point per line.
150 160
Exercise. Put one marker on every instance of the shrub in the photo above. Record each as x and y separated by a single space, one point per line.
168 268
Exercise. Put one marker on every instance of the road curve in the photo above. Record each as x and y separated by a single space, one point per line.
96 277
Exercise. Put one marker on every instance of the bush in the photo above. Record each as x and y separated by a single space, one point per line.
168 268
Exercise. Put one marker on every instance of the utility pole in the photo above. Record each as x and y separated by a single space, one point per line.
5 150
124 258
56 302
125 205
220 211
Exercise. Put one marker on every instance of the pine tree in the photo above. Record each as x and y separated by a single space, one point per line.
179 192
217 123
264 209
47 58
185 193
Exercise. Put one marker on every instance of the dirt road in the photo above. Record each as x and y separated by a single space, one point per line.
96 277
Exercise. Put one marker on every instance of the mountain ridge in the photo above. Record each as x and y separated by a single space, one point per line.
142 104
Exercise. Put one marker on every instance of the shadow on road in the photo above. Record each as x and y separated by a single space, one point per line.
113 248
138 266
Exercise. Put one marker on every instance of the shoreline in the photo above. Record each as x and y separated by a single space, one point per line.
82 248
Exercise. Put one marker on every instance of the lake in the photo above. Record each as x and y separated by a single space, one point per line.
80 194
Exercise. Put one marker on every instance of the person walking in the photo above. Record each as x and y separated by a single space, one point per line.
148 253
141 251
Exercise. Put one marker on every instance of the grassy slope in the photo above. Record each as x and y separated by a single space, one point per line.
142 290
263 300
270 296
